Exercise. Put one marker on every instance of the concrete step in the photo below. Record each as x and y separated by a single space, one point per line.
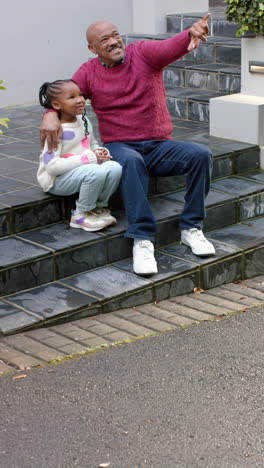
22 209
219 26
217 49
214 77
38 347
191 85
239 255
23 205
211 70
52 274
189 104
53 252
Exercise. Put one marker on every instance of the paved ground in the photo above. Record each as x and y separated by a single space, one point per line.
39 347
188 398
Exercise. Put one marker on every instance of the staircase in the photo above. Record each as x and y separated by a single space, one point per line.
52 274
211 70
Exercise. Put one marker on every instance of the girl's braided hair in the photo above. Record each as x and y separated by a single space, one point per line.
50 90
85 123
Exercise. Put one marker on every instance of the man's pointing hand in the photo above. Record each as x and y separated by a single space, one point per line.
199 31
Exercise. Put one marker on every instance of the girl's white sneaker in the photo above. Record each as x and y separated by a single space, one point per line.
87 221
105 214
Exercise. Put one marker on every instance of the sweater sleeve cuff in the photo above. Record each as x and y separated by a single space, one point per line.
50 110
92 158
47 111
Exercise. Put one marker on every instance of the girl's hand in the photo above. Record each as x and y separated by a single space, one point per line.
102 155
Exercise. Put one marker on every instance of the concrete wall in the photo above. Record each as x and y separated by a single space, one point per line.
149 15
45 40
244 112
252 50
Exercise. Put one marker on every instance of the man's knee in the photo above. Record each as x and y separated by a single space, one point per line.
124 155
134 161
204 155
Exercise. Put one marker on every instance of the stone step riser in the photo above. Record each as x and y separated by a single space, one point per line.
218 27
202 80
216 53
21 218
223 28
52 265
221 51
187 109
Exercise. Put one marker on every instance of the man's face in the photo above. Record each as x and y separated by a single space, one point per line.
105 41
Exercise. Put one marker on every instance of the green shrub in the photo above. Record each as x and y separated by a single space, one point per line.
3 122
249 14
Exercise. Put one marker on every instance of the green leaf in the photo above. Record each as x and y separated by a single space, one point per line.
248 14
1 82
4 121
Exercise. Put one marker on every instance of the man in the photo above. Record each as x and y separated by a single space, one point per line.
125 86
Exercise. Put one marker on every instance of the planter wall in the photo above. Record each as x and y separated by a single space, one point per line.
252 50
241 116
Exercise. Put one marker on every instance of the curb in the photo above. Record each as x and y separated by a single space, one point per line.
54 345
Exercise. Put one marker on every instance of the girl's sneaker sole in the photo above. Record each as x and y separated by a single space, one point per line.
91 229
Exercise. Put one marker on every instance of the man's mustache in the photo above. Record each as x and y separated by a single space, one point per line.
117 46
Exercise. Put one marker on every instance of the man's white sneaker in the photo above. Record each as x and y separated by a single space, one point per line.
144 262
195 239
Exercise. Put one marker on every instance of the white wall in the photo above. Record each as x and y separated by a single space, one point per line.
149 15
45 40
252 50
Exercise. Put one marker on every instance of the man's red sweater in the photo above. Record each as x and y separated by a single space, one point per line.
129 99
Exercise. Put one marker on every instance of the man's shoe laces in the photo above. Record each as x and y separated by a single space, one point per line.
147 248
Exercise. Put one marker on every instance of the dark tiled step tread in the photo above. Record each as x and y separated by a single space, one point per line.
54 252
115 286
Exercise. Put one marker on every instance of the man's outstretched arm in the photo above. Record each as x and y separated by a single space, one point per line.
161 53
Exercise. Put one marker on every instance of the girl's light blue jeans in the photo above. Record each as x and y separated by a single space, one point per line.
94 182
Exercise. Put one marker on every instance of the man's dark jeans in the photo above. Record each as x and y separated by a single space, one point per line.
161 158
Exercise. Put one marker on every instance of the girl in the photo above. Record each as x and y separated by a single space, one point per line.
79 164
